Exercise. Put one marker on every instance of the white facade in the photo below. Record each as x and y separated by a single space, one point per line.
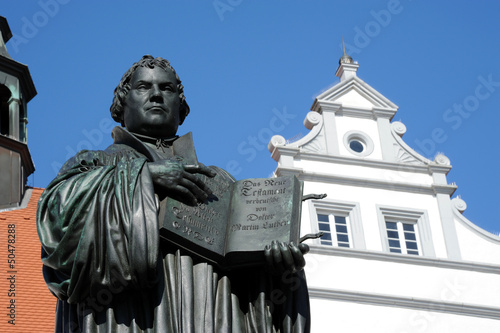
382 194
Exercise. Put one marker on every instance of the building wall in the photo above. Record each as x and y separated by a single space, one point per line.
452 285
427 290
22 288
341 316
406 296
10 178
476 244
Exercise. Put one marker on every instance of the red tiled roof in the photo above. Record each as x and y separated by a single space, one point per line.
34 304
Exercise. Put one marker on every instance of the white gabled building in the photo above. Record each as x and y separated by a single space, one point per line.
397 254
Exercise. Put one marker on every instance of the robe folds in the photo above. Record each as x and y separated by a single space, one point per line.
105 262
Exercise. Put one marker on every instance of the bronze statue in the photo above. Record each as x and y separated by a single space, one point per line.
102 254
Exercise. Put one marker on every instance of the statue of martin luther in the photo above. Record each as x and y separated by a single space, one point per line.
99 227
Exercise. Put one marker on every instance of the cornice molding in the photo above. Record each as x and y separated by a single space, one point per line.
423 169
367 182
21 72
346 67
20 148
324 105
413 303
405 259
355 111
387 113
373 112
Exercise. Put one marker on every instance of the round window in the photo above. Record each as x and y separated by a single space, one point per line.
356 146
358 143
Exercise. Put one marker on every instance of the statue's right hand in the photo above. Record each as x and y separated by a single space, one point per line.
177 180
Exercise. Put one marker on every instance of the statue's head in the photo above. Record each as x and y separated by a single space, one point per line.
150 93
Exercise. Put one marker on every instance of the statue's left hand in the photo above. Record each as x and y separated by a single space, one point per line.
175 179
283 257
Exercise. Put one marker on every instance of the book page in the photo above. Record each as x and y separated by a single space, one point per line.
202 228
263 210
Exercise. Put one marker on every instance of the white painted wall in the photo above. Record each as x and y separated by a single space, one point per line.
400 175
384 278
476 246
337 316
369 289
367 126
368 199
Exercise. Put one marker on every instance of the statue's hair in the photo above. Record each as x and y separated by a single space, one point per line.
121 91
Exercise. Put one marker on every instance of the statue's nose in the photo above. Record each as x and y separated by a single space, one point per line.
155 93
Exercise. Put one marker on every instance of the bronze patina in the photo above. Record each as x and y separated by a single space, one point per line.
99 224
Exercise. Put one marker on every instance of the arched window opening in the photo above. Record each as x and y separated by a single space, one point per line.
5 95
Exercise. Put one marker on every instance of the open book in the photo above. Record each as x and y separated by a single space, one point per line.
238 221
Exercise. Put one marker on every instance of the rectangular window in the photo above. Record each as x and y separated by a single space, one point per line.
402 237
340 221
335 230
405 230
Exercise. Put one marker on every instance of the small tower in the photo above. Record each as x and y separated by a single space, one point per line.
16 90
347 67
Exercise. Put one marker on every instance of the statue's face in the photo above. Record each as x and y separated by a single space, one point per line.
152 105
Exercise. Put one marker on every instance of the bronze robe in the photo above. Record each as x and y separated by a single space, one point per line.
104 260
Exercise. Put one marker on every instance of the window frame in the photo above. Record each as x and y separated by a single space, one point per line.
363 138
402 239
350 210
332 223
420 220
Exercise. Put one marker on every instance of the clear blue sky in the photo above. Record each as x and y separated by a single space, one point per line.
240 60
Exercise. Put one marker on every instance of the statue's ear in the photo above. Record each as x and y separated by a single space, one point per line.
183 111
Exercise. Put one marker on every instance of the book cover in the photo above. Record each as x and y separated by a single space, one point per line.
241 217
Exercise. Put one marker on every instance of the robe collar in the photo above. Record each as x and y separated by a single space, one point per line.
181 146
158 142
